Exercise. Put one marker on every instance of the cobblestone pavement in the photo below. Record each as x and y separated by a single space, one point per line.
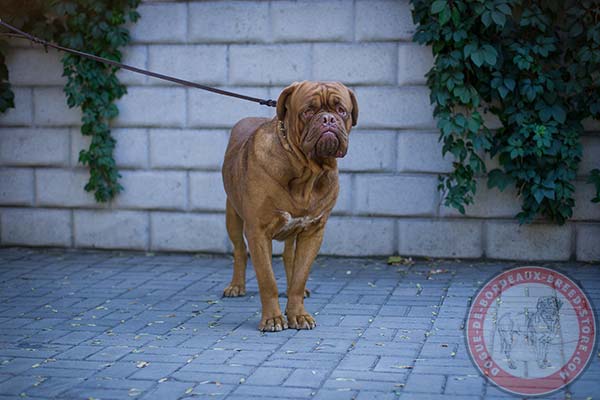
108 325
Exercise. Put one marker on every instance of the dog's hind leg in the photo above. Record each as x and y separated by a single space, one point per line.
235 229
289 250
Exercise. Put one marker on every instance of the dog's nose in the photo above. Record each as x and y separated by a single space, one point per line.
328 120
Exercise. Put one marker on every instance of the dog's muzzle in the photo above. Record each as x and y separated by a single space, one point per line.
328 145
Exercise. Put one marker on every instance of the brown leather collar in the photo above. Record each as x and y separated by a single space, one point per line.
282 134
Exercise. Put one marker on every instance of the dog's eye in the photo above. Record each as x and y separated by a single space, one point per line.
308 113
342 111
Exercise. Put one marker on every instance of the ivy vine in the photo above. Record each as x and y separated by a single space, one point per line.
95 27
533 64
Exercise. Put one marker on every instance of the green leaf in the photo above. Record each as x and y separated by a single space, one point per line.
438 5
478 57
499 18
490 54
497 178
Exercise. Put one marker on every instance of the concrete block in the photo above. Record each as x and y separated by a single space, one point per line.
489 203
414 61
160 23
395 194
591 125
369 151
189 232
344 200
34 66
584 208
35 227
384 20
491 120
16 186
509 240
588 238
25 146
202 149
155 106
196 63
228 21
353 64
591 154
268 64
300 21
111 229
206 191
50 108
440 238
153 190
208 110
63 188
358 236
22 114
391 107
421 152
131 150
136 56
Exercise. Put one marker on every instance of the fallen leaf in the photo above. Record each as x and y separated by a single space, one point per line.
142 364
402 366
399 260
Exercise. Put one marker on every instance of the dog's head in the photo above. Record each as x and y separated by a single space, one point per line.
317 117
549 305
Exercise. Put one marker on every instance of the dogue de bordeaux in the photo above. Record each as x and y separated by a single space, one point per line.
281 180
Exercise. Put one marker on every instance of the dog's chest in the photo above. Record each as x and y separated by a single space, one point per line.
294 225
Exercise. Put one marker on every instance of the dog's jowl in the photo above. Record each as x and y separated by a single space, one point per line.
281 180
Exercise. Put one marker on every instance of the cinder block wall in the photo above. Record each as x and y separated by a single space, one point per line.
171 139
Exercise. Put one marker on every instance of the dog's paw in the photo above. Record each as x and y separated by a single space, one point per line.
234 290
301 321
276 324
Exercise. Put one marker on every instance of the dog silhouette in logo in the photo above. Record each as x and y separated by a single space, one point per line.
538 329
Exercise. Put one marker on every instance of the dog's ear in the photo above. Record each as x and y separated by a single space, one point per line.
559 303
282 100
354 107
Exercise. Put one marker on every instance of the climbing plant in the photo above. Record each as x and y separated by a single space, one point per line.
535 65
96 27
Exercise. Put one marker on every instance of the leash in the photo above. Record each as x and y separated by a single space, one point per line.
35 39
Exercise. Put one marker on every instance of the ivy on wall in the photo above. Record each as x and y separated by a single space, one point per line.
533 64
95 27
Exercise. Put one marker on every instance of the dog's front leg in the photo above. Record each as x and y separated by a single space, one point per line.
307 247
261 252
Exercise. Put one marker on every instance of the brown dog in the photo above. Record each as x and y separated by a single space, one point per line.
281 180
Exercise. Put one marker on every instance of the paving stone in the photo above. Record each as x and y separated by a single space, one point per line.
425 383
312 378
268 376
381 334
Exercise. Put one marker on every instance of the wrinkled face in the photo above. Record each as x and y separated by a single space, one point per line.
318 117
